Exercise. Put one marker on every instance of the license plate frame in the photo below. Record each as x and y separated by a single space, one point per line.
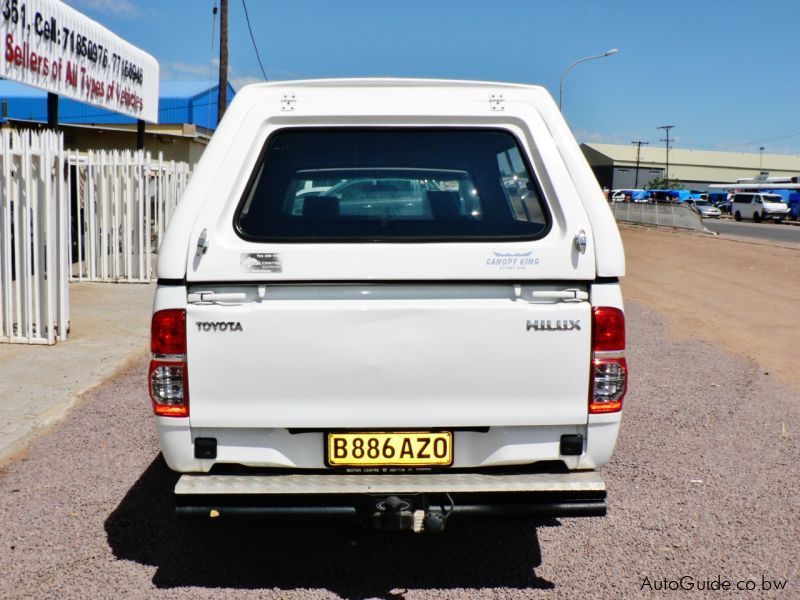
396 440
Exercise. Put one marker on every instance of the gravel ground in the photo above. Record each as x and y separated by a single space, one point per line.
705 483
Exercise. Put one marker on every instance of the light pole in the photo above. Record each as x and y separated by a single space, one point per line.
760 157
577 62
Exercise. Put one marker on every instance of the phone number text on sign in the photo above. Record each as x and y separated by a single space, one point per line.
49 45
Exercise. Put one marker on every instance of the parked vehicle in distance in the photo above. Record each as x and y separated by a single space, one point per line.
704 208
759 206
794 206
721 200
385 315
669 196
662 196
630 195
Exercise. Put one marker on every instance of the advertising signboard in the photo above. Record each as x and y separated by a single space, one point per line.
49 45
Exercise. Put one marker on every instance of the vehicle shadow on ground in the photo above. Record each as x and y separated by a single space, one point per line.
342 559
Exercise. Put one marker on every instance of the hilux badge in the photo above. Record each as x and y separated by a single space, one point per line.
559 325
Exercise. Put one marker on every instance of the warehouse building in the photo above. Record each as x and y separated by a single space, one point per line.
187 116
615 165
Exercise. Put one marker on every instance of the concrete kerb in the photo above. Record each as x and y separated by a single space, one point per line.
109 333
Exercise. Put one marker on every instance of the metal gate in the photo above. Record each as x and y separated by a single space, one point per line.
34 238
660 215
122 203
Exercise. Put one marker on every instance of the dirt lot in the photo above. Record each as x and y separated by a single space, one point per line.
742 295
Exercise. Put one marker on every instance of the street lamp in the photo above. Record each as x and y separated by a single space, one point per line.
577 62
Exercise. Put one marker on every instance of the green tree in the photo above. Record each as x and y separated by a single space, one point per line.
661 183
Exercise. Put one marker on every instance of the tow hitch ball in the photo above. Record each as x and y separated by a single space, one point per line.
396 514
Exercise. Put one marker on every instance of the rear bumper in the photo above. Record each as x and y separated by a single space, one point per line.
391 501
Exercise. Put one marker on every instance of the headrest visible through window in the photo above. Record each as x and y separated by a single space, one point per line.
444 205
321 207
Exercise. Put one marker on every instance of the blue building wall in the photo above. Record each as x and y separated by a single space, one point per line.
193 102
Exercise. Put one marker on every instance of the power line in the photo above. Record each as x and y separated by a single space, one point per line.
252 39
666 140
214 11
773 139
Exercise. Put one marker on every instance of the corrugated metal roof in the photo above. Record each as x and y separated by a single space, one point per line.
700 158
192 102
693 165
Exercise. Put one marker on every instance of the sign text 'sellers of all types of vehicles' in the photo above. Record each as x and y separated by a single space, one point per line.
759 207
392 303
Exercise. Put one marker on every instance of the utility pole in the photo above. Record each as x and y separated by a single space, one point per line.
222 98
52 111
638 145
666 140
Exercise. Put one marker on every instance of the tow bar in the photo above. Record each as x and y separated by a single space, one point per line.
397 514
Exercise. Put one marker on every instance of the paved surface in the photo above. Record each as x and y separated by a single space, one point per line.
109 330
784 232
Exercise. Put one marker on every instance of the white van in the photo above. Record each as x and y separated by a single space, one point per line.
393 303
759 206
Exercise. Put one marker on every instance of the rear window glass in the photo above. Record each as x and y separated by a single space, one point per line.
354 185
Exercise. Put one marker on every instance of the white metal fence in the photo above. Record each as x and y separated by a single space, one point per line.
661 215
122 202
103 213
34 238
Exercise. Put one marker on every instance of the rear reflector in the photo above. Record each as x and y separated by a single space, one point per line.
608 329
168 381
168 332
609 370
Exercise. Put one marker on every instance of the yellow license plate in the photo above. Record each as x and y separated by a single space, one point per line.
398 448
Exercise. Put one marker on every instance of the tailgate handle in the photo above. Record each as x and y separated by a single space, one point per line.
572 295
216 297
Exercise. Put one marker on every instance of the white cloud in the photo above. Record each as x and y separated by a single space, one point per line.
187 69
590 137
625 137
239 82
177 70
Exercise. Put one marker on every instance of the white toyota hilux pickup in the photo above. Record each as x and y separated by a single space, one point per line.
392 303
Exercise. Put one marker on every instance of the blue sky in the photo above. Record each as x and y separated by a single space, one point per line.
724 72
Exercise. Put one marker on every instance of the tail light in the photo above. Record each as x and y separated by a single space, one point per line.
169 388
609 379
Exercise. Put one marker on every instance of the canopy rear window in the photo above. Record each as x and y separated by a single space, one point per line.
382 185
